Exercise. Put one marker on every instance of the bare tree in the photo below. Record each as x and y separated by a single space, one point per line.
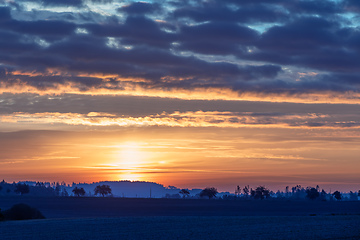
78 191
209 192
312 193
238 190
184 192
246 190
260 192
102 190
22 188
337 195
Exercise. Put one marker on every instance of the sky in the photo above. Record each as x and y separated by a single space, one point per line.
193 94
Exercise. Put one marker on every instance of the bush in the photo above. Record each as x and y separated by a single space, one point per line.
22 212
1 216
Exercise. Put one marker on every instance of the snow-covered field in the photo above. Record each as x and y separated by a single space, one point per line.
284 227
125 218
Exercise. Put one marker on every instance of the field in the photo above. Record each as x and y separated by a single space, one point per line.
122 218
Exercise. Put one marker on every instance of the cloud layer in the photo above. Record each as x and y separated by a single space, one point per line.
189 119
271 48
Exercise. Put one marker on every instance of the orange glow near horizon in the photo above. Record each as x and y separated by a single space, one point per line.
191 158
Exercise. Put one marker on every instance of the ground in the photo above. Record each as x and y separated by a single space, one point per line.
117 218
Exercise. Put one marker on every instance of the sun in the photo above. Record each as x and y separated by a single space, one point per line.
130 158
130 155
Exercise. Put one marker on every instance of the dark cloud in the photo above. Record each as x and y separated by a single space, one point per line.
75 3
352 5
220 12
310 42
305 34
140 8
216 38
40 27
194 44
136 30
56 3
324 7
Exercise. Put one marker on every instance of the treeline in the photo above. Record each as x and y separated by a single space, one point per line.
49 189
261 192
296 192
33 189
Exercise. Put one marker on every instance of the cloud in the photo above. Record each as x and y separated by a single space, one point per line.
216 38
189 119
140 8
233 50
218 11
42 28
56 3
352 5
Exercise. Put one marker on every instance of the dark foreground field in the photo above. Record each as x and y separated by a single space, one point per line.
122 218
318 227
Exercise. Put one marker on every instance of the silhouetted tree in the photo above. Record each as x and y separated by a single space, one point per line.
312 193
209 192
323 195
279 194
359 193
352 196
184 192
1 215
22 188
40 184
246 190
57 189
337 195
260 192
287 191
238 190
64 193
78 191
102 190
1 188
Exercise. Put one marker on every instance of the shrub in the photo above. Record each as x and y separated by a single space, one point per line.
22 212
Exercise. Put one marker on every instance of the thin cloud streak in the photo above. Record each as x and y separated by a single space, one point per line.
187 119
128 89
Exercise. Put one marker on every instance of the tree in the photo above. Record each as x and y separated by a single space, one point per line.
64 193
246 190
57 189
238 190
337 195
260 192
323 195
184 192
352 196
22 188
209 192
287 191
78 191
312 193
103 190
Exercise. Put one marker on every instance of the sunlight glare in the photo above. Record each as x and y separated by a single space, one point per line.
130 158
